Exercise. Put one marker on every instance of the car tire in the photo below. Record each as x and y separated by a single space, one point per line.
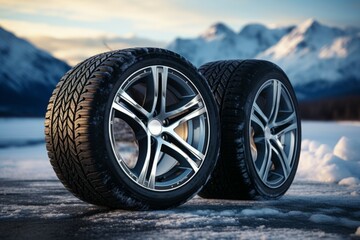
133 129
260 128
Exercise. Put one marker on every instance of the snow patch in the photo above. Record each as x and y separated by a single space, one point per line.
348 149
319 162
322 218
349 181
261 212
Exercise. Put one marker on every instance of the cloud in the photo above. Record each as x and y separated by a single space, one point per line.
155 13
30 29
74 50
156 19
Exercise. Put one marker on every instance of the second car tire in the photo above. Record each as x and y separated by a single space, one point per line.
260 128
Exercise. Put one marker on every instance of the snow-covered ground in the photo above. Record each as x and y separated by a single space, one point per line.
323 202
43 209
330 151
22 149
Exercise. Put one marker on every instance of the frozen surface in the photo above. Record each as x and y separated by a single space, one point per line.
41 208
29 162
323 202
330 151
22 149
21 131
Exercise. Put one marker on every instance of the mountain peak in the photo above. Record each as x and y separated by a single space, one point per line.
27 77
310 24
252 29
217 30
313 54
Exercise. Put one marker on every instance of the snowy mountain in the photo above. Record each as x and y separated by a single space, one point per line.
319 58
28 76
321 61
220 42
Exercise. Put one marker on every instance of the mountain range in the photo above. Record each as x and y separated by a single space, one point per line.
321 61
28 75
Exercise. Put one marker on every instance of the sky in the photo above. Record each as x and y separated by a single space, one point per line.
73 30
163 20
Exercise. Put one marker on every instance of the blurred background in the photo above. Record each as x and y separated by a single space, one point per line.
317 43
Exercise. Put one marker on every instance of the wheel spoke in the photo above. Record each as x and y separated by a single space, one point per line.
122 109
196 113
288 120
266 164
199 155
278 149
164 79
195 100
275 100
256 120
145 168
155 73
187 158
129 100
154 166
289 128
260 112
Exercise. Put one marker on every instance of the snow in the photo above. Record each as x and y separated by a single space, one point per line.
39 68
333 157
337 49
330 151
217 31
308 211
309 53
323 197
260 212
323 218
221 42
348 149
349 181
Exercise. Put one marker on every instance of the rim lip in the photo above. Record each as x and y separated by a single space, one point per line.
124 85
297 138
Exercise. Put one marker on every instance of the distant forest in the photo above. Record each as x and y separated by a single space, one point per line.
342 108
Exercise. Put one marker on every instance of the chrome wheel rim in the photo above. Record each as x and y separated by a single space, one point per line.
273 133
159 128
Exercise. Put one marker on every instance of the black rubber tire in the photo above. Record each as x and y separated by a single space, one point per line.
76 129
234 84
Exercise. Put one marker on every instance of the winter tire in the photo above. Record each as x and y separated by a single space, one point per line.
261 132
132 129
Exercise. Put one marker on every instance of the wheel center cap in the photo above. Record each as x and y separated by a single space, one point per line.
268 134
155 127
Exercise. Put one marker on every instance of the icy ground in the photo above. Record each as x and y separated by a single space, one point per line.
323 202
